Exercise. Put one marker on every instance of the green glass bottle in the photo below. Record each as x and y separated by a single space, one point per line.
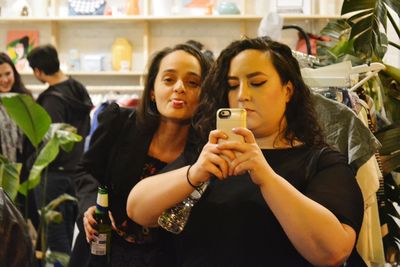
100 246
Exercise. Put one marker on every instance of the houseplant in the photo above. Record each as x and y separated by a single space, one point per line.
362 39
47 138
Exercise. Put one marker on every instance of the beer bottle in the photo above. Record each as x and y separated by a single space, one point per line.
100 246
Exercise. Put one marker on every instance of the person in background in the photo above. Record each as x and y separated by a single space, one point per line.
208 53
130 145
13 144
66 101
285 198
11 137
16 246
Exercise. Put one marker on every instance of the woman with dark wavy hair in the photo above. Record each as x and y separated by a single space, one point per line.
11 137
128 146
14 82
281 197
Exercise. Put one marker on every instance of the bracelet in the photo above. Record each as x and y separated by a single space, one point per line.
197 187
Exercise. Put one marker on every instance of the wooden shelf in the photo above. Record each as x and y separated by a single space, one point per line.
146 33
157 18
100 73
95 89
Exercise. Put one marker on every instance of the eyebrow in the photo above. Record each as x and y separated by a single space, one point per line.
250 75
174 71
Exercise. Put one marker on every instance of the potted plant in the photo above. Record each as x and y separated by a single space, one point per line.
47 138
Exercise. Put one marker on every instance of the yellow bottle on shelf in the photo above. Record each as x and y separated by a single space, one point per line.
121 55
132 7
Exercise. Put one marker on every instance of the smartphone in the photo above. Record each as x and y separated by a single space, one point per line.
228 118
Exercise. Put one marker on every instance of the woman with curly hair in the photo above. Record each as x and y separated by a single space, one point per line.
280 198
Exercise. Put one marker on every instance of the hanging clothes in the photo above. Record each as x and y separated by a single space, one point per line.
369 243
11 137
345 131
349 133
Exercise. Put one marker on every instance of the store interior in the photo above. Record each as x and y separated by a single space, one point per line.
108 44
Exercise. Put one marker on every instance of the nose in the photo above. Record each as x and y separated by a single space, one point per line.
244 93
3 78
179 87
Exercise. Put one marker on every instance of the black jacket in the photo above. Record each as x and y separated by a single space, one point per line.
116 155
68 102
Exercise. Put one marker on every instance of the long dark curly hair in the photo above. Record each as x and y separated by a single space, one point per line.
302 124
18 86
148 117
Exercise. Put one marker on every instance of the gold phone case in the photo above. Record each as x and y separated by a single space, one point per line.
228 118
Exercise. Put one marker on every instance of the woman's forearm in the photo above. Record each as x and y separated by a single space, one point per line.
153 195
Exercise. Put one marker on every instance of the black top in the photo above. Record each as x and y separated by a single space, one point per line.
232 225
130 232
68 102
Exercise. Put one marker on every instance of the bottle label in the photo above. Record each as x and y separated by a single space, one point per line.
102 200
99 245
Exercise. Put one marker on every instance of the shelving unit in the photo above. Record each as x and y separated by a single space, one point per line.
146 33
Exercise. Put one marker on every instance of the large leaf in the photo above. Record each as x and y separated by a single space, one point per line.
368 16
53 257
58 201
392 72
53 216
9 178
59 134
395 5
28 115
390 150
65 134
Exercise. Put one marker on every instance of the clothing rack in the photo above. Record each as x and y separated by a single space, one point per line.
341 74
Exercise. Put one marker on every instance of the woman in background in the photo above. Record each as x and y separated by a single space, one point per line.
11 138
16 245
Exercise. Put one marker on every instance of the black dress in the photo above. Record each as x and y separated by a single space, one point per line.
232 225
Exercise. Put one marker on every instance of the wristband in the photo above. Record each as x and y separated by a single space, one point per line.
197 187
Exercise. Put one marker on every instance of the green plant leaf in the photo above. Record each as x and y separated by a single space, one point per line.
46 155
28 115
59 134
53 216
53 257
56 202
393 4
66 135
368 17
392 72
357 5
9 178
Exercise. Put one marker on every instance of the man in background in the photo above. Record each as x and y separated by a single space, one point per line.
67 101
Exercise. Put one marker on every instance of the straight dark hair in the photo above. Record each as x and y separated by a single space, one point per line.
302 123
44 58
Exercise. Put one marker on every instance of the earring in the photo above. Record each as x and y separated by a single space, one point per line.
153 99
